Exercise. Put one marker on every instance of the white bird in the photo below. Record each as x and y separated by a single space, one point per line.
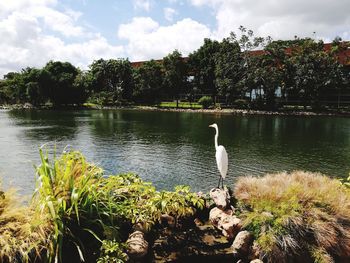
221 157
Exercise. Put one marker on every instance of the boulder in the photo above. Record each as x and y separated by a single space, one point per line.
256 261
220 197
137 246
242 242
228 223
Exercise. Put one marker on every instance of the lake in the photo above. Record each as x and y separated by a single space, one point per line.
170 148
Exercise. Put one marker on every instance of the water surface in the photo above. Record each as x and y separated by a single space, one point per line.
170 148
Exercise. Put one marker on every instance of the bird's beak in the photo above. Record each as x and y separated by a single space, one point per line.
211 125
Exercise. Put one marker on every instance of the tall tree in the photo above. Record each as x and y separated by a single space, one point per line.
316 71
148 81
202 65
114 77
60 83
228 69
175 75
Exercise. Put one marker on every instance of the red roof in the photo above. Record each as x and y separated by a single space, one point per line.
343 56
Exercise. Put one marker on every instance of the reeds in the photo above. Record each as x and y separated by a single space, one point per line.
297 216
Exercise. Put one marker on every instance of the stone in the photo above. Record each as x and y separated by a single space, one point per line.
168 220
242 242
137 246
225 221
256 261
220 197
230 226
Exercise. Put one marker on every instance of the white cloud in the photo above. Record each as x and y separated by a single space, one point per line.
28 38
143 4
169 13
147 39
281 19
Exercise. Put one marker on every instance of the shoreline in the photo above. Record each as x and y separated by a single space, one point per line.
209 111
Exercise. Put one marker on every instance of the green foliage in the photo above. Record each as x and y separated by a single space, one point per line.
114 76
241 103
148 82
175 74
202 64
112 252
205 101
83 207
346 182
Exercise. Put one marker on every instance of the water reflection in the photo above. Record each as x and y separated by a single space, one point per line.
170 148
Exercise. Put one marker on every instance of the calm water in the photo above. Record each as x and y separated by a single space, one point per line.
170 148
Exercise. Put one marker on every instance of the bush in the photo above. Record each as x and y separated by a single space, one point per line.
297 217
86 209
241 103
205 101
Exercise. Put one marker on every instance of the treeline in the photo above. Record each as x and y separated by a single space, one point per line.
247 71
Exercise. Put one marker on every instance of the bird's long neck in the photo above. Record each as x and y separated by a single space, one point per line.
216 137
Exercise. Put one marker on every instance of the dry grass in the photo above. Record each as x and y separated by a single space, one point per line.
22 233
298 216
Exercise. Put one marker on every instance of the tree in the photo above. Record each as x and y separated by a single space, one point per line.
248 42
148 81
316 71
114 77
175 74
59 84
228 69
202 65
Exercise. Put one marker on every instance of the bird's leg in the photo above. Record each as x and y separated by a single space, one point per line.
222 183
219 182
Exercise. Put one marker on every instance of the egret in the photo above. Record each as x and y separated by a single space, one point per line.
221 157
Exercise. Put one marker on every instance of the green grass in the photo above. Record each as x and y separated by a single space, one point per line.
182 105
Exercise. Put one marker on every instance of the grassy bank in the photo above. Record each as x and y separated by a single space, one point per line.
79 214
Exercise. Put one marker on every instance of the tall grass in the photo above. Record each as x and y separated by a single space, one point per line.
66 189
22 232
297 217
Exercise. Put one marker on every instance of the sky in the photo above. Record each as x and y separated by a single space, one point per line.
32 32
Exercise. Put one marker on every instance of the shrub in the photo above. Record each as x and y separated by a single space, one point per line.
297 217
205 101
241 103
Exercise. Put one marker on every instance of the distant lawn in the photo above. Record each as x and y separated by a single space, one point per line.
184 105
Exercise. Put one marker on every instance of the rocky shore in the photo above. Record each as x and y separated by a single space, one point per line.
216 235
209 111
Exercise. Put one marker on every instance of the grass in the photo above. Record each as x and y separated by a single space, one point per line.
297 217
182 105
22 232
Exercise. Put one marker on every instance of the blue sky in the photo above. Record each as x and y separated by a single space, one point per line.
32 32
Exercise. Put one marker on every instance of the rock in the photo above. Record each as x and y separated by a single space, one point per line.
254 251
228 223
137 246
216 214
220 198
168 220
242 242
256 261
